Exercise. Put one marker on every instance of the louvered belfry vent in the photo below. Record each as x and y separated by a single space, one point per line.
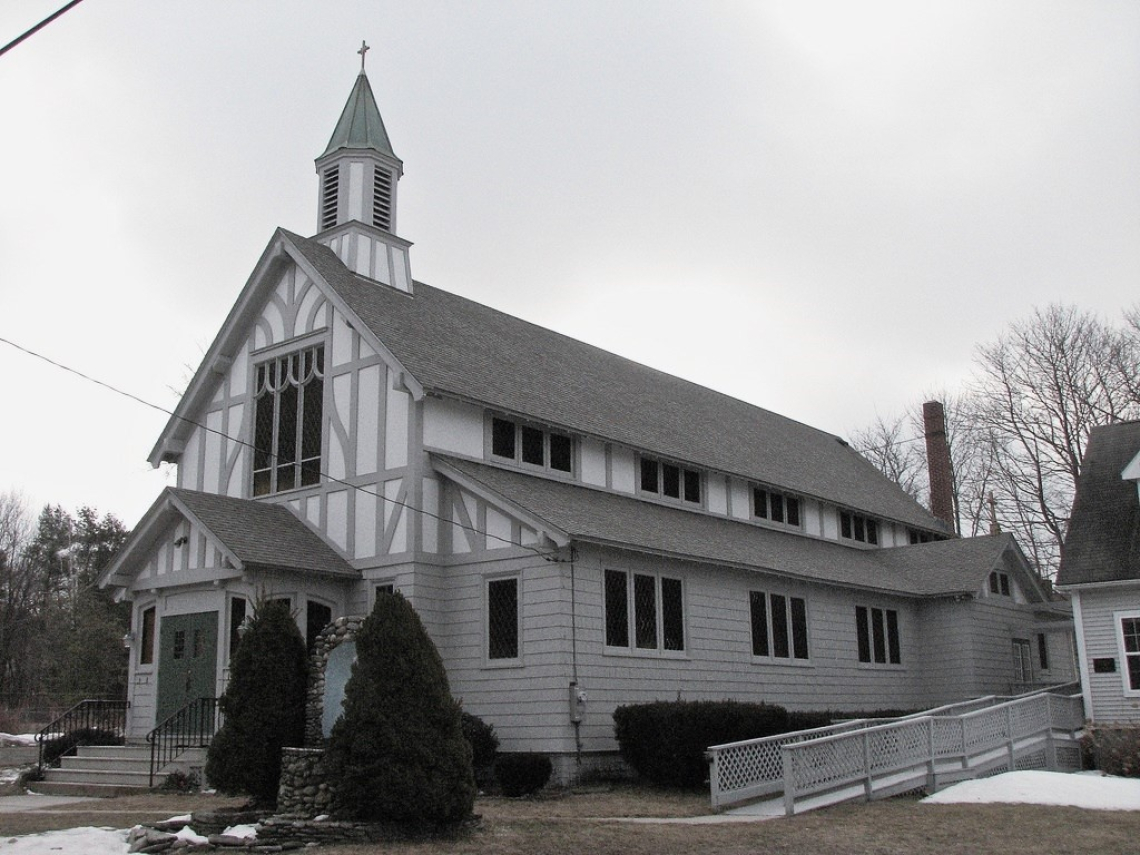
330 195
382 199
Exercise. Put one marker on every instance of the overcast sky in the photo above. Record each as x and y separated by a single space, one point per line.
818 207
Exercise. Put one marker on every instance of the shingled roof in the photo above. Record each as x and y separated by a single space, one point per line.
254 534
1103 543
456 347
942 568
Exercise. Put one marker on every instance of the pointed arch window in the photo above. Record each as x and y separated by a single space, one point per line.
289 399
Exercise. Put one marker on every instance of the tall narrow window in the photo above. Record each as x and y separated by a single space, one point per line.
758 608
1043 651
237 619
146 650
617 609
317 617
672 615
330 195
289 393
645 611
503 619
1130 647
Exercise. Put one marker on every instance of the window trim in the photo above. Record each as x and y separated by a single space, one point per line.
502 661
668 614
878 637
787 502
1118 619
861 528
790 622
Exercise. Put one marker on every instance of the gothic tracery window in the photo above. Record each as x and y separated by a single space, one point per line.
288 392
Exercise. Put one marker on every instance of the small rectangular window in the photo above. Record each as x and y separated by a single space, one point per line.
532 446
146 651
893 637
503 438
617 609
872 532
793 510
560 452
860 534
1043 651
503 619
670 481
777 507
649 476
1004 585
878 635
760 503
237 619
845 525
692 486
199 644
179 644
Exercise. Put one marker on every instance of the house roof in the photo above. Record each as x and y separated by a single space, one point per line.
253 534
941 568
360 124
1103 543
456 347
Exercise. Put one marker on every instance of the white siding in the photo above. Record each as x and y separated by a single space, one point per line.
1101 641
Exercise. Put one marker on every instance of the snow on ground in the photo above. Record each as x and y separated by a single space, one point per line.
1089 790
72 841
18 738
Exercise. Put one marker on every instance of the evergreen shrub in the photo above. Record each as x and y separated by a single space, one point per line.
665 741
397 754
1113 750
484 747
522 774
263 705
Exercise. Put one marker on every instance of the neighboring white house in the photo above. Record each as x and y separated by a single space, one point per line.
1101 570
577 531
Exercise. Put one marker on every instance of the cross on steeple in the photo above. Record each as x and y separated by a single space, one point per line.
364 48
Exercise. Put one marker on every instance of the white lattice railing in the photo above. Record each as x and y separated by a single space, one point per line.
917 752
875 749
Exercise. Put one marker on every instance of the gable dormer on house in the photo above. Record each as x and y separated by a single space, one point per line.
556 513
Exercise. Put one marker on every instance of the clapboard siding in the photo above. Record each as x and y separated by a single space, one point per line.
1101 640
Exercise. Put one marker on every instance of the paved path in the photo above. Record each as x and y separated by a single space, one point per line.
19 804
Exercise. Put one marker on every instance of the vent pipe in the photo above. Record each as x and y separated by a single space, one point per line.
938 463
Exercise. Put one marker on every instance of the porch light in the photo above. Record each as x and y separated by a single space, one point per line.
128 639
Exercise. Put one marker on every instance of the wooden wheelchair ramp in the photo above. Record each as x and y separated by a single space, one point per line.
873 758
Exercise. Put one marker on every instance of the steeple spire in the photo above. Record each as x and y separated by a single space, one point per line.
359 171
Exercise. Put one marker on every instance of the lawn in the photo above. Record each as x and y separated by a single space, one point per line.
590 823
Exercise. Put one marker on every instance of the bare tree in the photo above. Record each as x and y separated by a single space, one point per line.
1018 432
19 589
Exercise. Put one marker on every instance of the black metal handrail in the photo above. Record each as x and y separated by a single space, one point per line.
193 726
90 714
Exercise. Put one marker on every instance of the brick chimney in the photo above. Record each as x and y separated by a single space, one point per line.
938 463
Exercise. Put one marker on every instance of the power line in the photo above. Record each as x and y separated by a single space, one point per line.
39 26
394 502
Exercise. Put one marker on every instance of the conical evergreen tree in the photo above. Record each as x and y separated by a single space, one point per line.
264 705
397 754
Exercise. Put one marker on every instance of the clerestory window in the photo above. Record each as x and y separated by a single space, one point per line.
289 397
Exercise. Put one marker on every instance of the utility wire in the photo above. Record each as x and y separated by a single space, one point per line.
39 26
396 503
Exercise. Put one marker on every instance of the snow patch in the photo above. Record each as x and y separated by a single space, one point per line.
1093 791
71 841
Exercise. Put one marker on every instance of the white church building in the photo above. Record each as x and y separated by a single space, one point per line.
577 531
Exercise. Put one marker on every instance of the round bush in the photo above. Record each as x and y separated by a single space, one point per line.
522 774
484 747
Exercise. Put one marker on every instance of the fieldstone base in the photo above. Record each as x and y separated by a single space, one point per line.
304 790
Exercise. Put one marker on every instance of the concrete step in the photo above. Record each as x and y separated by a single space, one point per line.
110 775
95 764
114 752
100 791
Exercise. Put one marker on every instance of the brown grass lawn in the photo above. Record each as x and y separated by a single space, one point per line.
588 823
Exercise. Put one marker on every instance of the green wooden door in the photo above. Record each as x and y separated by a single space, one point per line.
187 661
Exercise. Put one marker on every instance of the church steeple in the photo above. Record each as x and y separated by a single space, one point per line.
359 171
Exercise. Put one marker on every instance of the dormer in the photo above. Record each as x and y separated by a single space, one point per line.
356 208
